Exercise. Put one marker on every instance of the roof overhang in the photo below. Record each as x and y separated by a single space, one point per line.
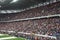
14 6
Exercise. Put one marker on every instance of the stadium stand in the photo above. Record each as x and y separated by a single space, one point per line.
44 26
36 12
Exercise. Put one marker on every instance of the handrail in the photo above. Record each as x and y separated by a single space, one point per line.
25 33
33 18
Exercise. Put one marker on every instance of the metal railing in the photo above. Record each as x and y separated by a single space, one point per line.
25 33
33 18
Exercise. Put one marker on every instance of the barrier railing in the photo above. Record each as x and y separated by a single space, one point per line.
33 18
25 33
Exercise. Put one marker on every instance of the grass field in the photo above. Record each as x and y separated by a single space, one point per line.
8 37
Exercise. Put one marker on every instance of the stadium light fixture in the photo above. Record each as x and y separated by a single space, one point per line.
13 1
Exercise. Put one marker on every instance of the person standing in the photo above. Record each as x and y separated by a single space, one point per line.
36 38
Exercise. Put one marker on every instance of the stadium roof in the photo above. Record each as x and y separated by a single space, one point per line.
14 6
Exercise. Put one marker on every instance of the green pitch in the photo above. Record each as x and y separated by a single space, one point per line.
8 37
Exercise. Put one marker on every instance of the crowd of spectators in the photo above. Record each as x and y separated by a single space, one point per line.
50 26
50 9
46 26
